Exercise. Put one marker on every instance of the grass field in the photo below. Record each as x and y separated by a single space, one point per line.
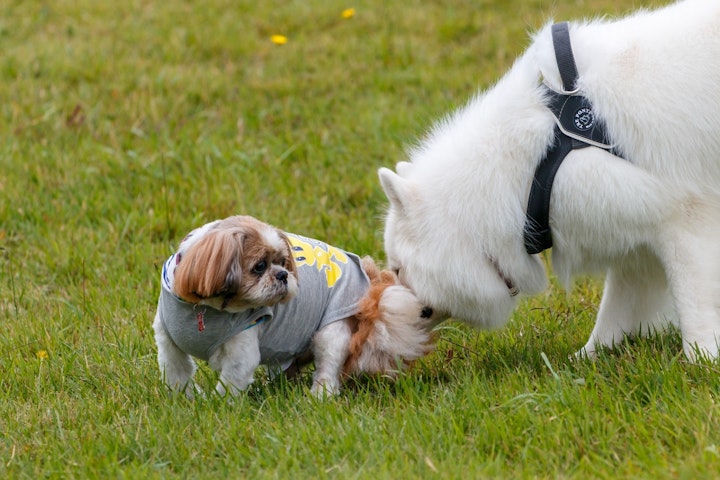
126 124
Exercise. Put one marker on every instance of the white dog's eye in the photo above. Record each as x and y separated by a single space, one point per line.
260 267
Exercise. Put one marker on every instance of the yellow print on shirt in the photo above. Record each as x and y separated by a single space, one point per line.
326 260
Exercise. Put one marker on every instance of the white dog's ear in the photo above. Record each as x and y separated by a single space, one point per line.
403 168
397 189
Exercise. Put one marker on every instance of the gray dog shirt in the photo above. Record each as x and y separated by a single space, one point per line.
331 283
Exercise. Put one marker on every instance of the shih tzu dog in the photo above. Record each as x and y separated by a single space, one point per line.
239 293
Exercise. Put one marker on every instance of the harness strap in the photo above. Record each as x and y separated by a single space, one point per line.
576 128
564 56
537 234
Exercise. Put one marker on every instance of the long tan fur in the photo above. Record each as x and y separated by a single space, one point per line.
210 266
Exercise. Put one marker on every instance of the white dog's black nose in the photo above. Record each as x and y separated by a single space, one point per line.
426 312
282 275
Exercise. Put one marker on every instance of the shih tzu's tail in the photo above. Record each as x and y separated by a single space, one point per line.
393 327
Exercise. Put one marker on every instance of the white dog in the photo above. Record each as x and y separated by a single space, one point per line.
239 293
646 211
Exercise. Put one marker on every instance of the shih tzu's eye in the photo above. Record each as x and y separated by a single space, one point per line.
260 267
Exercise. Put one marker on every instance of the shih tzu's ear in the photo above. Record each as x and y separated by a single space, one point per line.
210 267
291 267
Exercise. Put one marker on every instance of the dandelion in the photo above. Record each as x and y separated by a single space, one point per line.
278 39
41 354
348 13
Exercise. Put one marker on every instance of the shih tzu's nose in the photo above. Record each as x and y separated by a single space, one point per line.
282 275
426 312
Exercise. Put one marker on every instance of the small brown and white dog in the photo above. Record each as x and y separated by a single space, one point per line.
239 293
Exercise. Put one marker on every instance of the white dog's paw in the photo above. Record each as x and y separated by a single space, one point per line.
585 353
325 388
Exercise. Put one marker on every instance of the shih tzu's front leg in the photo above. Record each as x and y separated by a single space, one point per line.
331 347
236 360
176 367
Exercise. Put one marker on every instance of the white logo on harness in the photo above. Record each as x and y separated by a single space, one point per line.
584 119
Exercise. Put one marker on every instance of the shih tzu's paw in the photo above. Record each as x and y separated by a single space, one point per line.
325 388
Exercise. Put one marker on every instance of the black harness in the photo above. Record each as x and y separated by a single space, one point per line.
577 127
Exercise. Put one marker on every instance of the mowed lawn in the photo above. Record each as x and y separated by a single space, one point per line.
126 124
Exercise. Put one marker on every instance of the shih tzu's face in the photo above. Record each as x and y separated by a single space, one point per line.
237 264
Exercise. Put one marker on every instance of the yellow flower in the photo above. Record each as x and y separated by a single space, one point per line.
41 354
348 13
279 39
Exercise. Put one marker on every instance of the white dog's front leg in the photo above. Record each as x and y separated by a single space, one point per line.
236 360
331 347
176 367
635 301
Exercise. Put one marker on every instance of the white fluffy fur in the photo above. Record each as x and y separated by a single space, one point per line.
651 222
